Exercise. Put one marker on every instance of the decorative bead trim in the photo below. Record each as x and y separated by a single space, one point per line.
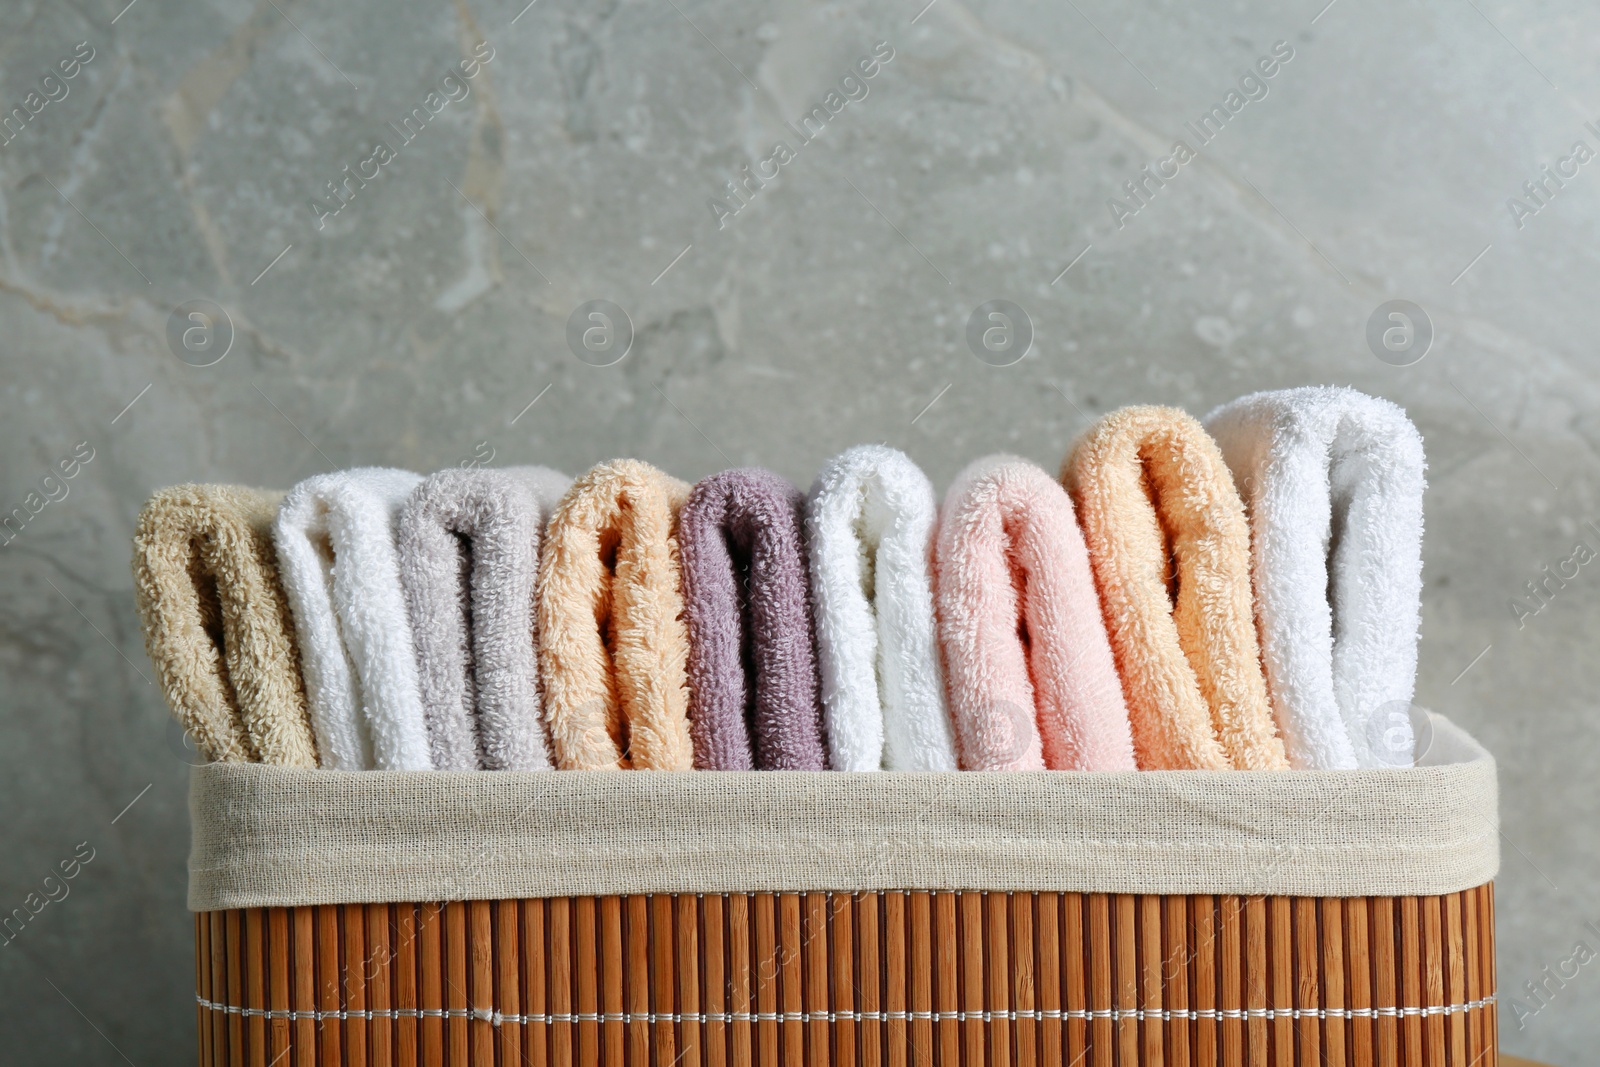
1115 1014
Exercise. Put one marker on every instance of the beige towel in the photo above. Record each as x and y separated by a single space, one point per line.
613 644
217 625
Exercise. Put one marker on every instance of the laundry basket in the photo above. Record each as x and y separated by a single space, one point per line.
794 918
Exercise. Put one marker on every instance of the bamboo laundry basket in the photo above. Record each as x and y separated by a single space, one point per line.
794 918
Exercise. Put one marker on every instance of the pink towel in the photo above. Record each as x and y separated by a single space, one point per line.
1029 669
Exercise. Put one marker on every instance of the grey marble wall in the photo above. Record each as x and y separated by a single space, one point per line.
420 318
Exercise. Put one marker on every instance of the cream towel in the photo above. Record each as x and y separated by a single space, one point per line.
1332 480
335 537
216 625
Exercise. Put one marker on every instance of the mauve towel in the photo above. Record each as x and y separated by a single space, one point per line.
752 657
1030 673
469 557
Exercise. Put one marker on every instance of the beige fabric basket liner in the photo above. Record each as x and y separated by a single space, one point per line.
272 836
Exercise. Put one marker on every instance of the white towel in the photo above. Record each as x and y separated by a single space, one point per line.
871 517
1332 480
335 536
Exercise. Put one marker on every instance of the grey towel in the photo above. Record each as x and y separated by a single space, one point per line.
469 555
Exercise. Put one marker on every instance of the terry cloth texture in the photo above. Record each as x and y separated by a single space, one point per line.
270 836
752 665
1171 553
469 557
870 521
1332 481
216 625
335 536
613 647
1031 679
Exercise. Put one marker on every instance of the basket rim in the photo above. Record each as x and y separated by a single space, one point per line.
274 836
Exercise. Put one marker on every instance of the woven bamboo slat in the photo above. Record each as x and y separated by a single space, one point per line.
874 979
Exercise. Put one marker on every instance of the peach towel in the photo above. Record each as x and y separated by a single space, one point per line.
1171 551
1029 670
614 647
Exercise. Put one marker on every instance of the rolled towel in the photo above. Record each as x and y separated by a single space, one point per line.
752 656
1020 626
1171 553
1332 481
216 624
870 519
469 558
613 646
335 536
